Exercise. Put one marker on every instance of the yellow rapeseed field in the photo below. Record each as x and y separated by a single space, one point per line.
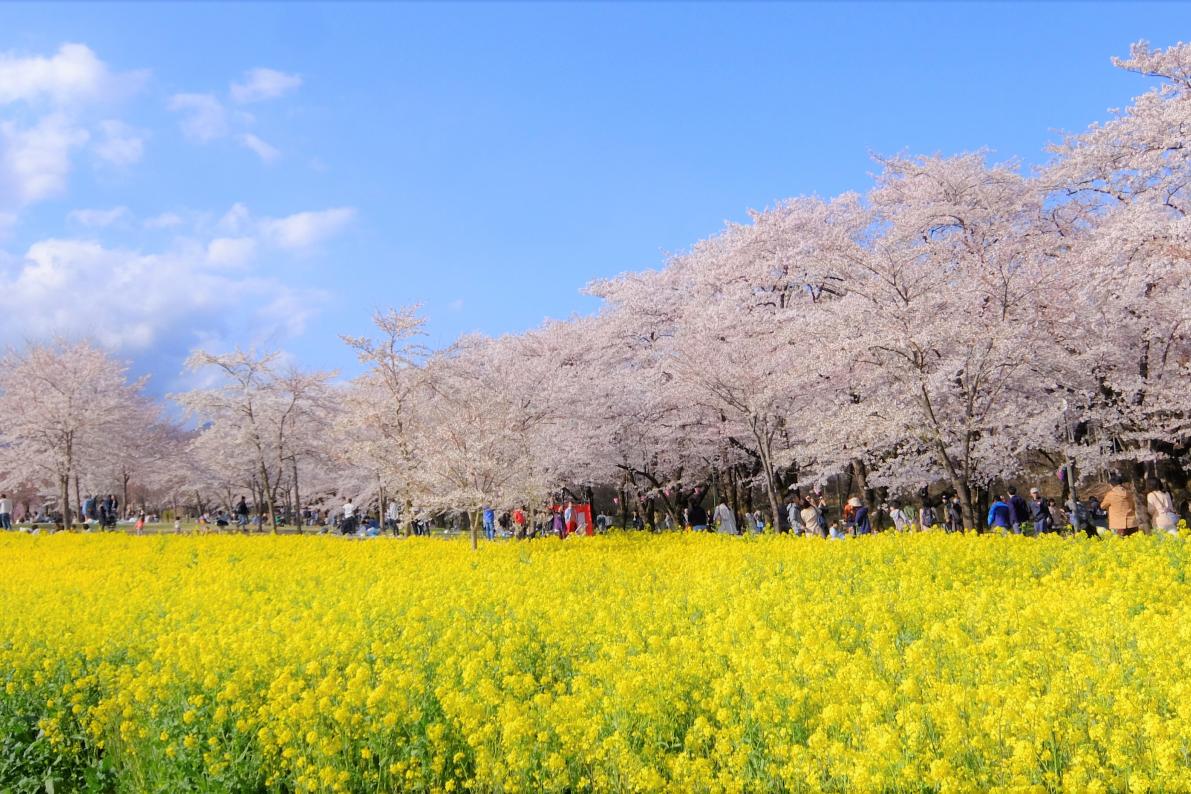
622 663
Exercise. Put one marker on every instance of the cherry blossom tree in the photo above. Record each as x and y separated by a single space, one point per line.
376 423
261 412
1126 183
62 403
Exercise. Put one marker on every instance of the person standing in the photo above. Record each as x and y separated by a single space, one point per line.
1122 512
519 522
1040 512
559 524
489 523
955 515
348 526
1000 515
811 518
900 521
696 516
1058 516
725 521
792 516
391 516
5 512
927 517
242 513
860 521
1018 509
1158 500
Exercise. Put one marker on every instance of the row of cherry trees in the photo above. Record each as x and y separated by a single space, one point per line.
962 322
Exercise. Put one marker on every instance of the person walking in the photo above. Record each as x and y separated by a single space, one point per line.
1018 509
1000 515
725 521
5 512
1158 501
558 524
1040 512
1122 511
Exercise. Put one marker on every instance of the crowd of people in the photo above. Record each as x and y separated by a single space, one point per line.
1111 509
1107 508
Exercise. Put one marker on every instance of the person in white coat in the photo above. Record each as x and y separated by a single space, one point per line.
725 521
1161 507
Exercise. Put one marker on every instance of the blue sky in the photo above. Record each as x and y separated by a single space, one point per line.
484 160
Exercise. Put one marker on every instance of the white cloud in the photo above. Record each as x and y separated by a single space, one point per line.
292 309
98 218
72 75
55 99
35 161
235 220
304 230
166 220
121 145
262 84
163 301
203 116
231 251
262 149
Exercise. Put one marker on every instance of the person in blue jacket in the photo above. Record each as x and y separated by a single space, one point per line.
1000 515
860 520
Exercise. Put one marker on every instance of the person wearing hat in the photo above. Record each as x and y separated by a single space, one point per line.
860 516
1040 512
1122 512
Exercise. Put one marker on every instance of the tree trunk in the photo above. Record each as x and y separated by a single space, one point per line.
767 468
64 495
297 514
624 508
267 492
474 520
967 514
78 498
